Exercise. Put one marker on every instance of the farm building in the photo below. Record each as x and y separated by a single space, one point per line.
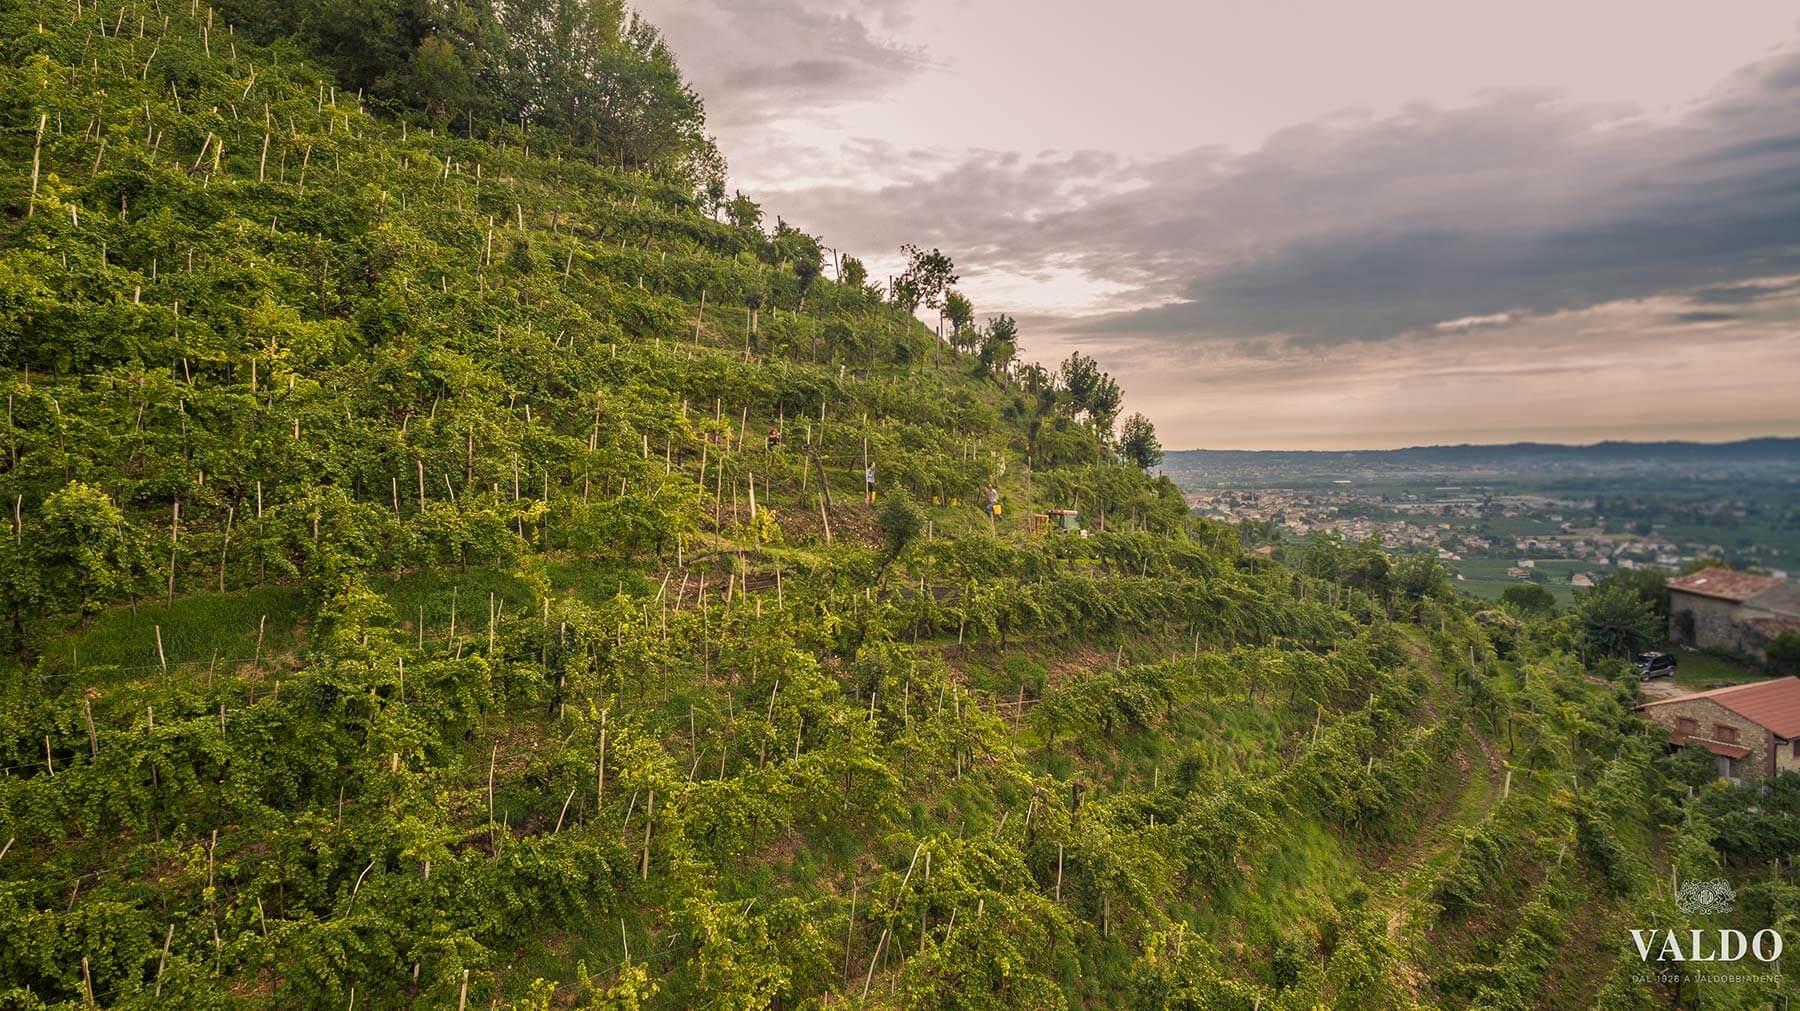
1725 609
1752 730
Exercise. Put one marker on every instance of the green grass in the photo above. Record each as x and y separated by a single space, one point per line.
1700 671
194 630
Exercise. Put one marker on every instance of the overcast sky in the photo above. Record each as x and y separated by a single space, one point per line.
1307 223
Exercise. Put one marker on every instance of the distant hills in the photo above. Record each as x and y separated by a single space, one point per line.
1768 448
1769 458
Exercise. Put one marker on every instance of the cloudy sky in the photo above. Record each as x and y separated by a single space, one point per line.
1306 223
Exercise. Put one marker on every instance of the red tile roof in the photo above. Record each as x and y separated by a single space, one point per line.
1719 747
1726 584
1774 704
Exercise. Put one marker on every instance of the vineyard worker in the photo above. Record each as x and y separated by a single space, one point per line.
993 501
869 484
774 437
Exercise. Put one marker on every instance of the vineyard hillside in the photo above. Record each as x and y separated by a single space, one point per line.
440 573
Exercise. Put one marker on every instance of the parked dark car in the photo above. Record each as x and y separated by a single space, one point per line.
1655 665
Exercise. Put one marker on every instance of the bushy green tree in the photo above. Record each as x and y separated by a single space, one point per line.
900 521
1650 585
1000 344
926 279
1092 394
960 313
1784 653
1529 599
87 554
1138 444
854 274
743 212
1616 622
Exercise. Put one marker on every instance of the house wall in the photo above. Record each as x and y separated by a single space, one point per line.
1708 713
1756 640
1715 625
1786 757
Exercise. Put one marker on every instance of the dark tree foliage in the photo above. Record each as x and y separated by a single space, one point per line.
1647 584
597 74
928 276
1616 622
1138 444
1529 598
900 523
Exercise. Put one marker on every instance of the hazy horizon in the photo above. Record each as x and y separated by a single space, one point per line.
1477 445
1289 226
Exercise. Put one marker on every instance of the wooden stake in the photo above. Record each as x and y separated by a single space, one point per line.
649 815
564 812
850 931
37 151
163 959
174 538
225 545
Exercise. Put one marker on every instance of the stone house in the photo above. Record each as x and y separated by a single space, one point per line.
1725 609
1751 730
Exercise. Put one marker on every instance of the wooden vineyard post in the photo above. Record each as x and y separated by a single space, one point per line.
37 151
163 959
225 546
649 816
850 931
174 538
600 773
87 714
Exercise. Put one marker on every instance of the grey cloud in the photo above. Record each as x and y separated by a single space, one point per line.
1740 294
758 60
1361 228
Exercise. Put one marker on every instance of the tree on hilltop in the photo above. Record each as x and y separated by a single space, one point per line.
928 275
960 312
1138 444
854 274
743 212
1000 344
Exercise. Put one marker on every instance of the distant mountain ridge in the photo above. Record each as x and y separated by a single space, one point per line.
1768 448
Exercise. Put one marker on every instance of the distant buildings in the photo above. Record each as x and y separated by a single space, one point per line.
1719 608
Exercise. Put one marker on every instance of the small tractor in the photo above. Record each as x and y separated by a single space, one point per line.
1057 521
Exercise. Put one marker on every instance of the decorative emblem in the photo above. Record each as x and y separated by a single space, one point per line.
1714 896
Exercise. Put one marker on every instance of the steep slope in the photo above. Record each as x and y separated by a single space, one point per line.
410 608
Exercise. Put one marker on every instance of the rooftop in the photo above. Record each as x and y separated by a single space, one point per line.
1774 704
1725 584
